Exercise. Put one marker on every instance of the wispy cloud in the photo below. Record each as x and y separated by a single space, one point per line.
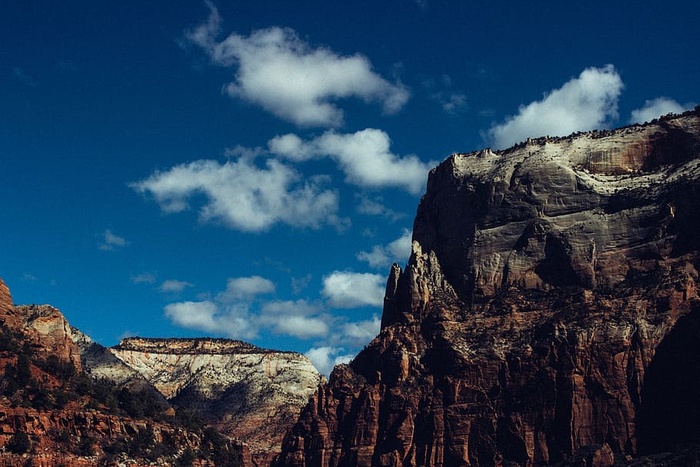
655 108
586 102
442 91
376 207
244 196
364 157
23 77
344 289
291 79
109 241
144 278
174 286
381 256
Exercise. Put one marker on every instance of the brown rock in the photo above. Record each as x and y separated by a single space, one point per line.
50 332
550 289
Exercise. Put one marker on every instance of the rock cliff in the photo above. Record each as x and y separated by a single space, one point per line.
249 393
52 414
142 395
550 294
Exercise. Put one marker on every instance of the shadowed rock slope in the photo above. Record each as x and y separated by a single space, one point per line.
550 299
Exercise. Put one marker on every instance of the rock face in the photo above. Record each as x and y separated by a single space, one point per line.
551 291
50 332
249 393
47 401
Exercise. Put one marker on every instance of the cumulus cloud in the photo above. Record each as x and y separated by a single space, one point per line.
174 286
244 196
325 358
383 255
364 157
246 288
345 289
109 241
289 78
240 312
655 108
583 103
297 318
195 315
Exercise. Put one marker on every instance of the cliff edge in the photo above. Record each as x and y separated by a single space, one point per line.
550 297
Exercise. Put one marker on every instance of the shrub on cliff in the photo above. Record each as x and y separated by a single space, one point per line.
19 443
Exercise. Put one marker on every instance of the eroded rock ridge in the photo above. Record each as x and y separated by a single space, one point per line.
247 392
551 291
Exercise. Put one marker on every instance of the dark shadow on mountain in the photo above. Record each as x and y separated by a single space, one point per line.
669 417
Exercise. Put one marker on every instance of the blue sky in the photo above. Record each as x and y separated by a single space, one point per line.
251 169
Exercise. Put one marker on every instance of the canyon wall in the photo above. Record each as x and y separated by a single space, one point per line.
551 290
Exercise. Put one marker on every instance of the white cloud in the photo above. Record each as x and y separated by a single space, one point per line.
583 103
194 315
363 156
244 196
383 255
656 108
239 312
110 241
246 288
375 207
174 286
302 327
326 357
299 319
291 79
358 333
351 289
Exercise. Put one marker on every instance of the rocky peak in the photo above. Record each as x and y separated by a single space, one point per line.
553 212
544 281
50 332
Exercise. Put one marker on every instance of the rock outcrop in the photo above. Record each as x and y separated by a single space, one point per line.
252 394
52 414
551 291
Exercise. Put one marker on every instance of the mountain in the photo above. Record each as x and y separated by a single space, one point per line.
248 393
66 400
548 313
52 413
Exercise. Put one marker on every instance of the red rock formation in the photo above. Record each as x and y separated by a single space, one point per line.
542 283
45 399
50 332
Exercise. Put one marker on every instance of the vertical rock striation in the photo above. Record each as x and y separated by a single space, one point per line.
550 290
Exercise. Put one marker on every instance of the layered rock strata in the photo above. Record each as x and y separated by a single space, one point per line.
249 393
40 400
551 289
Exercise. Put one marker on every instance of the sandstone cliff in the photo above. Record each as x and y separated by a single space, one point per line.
52 414
249 393
551 291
